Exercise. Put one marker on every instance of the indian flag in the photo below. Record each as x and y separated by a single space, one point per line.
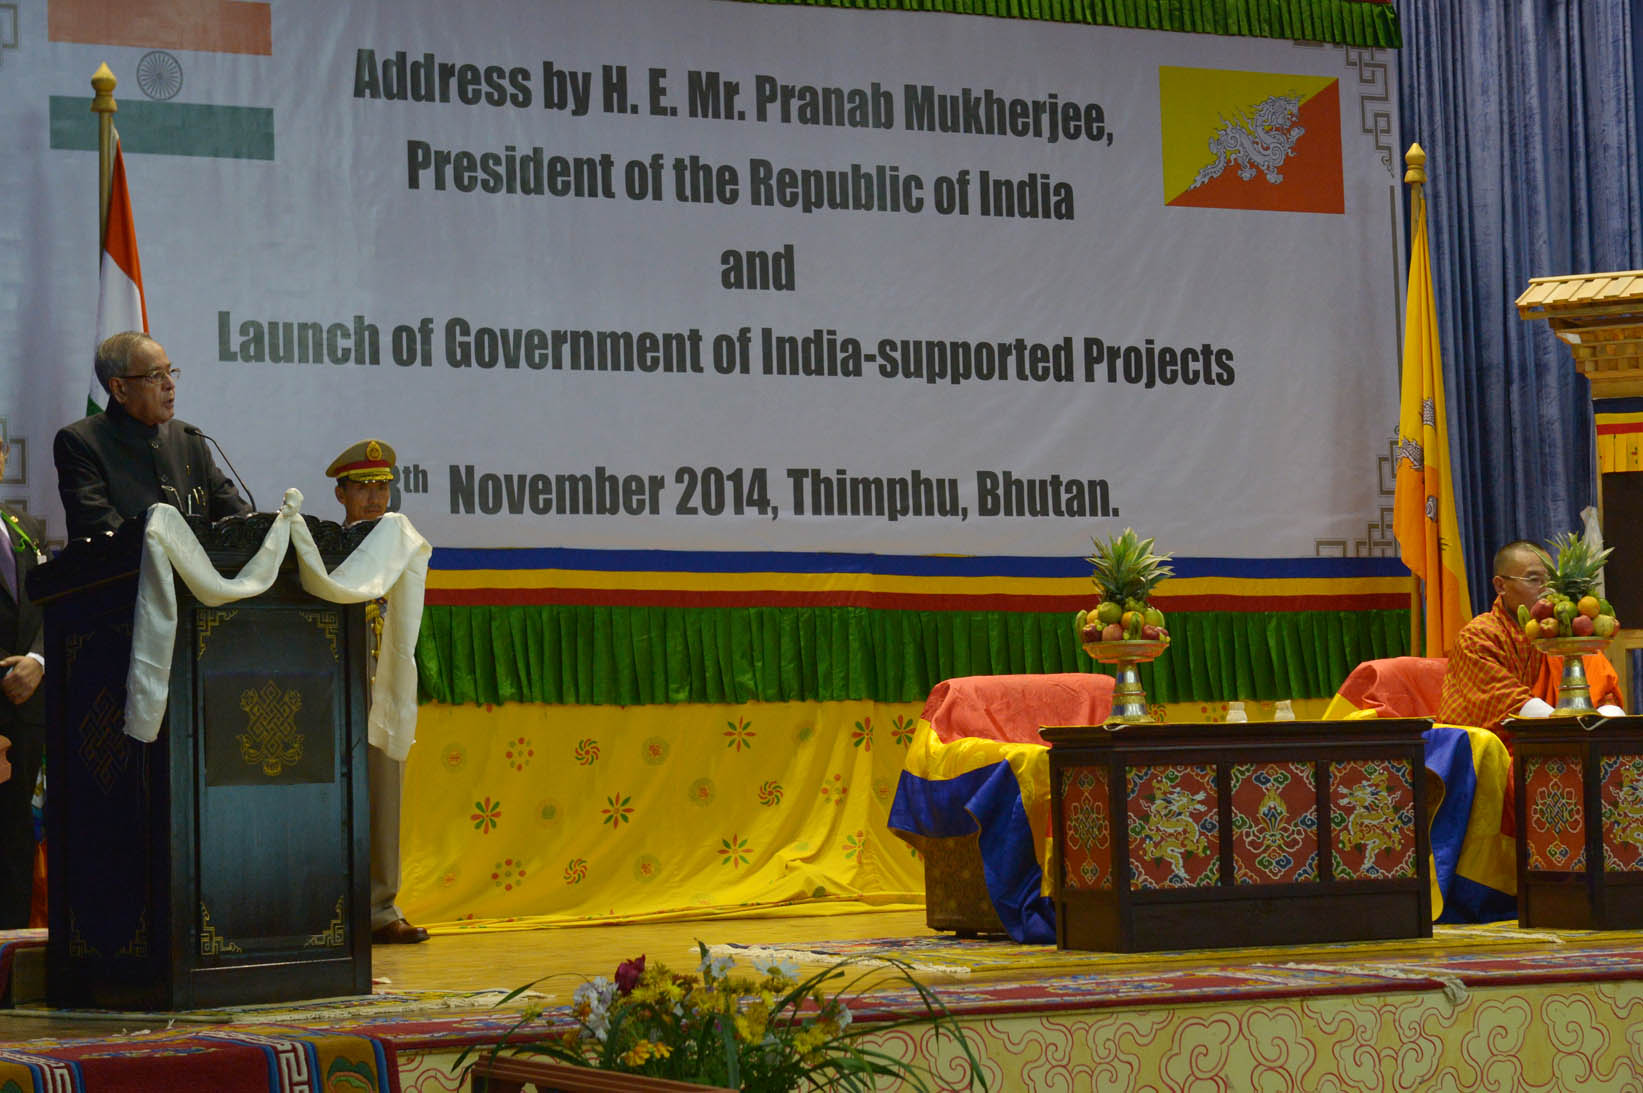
120 303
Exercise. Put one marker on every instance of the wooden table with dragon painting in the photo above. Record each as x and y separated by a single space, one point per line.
1176 837
1578 786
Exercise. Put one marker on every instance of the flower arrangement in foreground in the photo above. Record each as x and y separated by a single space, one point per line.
773 1032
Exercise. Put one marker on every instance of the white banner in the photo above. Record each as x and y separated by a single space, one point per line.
730 276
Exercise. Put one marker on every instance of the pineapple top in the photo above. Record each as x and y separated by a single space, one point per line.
1125 569
1576 565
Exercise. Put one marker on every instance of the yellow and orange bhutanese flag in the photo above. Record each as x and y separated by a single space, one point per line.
1250 140
1424 520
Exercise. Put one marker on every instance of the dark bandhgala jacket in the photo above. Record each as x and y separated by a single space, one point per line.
111 468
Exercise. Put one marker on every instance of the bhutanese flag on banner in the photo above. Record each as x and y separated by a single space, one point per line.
120 303
1250 140
1424 521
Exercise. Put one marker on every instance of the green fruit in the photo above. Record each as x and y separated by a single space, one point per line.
1155 617
1134 630
1604 626
1604 607
1565 611
1109 612
1078 622
1523 615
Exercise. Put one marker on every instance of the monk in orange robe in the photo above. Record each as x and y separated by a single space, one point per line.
1494 670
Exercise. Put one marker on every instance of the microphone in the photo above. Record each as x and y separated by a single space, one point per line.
195 430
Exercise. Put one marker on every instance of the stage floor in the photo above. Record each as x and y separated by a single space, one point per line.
505 959
1475 1007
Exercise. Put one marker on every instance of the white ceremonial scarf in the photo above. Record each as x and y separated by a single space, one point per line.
391 563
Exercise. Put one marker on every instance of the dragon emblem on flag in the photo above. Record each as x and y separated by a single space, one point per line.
1262 141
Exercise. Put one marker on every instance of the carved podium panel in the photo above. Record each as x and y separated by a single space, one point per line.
227 862
1579 798
1207 836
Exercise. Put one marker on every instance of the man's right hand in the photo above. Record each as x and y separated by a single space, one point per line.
23 674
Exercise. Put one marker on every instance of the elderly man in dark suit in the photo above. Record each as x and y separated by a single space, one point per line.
111 466
22 706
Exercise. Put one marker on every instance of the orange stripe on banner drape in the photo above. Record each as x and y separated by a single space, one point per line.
1424 521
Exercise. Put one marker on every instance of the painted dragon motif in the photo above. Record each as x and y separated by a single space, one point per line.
1372 815
1258 142
1172 832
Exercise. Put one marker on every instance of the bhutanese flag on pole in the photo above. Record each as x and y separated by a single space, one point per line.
120 303
1424 519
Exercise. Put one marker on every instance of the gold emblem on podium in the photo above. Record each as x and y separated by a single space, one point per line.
327 623
334 936
271 738
211 942
207 621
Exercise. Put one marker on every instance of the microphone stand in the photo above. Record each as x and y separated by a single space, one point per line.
195 430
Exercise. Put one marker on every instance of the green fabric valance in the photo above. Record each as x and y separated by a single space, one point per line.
629 656
1342 22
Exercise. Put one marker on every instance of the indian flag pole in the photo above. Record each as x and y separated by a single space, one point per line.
120 302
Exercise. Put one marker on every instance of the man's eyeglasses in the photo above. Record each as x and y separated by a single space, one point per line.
158 377
1538 581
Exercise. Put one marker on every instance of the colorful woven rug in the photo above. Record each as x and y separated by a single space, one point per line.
322 1011
948 956
243 1058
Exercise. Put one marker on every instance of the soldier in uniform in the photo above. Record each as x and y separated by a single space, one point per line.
364 475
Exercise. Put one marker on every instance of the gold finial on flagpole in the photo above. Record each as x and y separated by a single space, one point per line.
103 105
1416 159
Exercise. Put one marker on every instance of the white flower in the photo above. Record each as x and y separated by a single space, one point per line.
714 967
844 1017
769 965
597 994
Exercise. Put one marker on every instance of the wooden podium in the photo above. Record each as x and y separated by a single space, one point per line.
227 862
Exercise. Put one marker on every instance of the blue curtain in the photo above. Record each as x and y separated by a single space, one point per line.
1526 110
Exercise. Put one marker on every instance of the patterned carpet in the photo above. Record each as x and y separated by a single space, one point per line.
1444 1013
1493 1008
321 1011
242 1058
949 957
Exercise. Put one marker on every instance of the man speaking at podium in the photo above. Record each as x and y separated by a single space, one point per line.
113 465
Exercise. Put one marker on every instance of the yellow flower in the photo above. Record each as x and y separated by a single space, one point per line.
807 1040
644 1051
751 1023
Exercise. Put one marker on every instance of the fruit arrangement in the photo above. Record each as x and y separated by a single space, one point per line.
1125 570
1569 608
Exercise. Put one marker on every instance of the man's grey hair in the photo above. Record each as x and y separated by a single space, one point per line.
114 355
